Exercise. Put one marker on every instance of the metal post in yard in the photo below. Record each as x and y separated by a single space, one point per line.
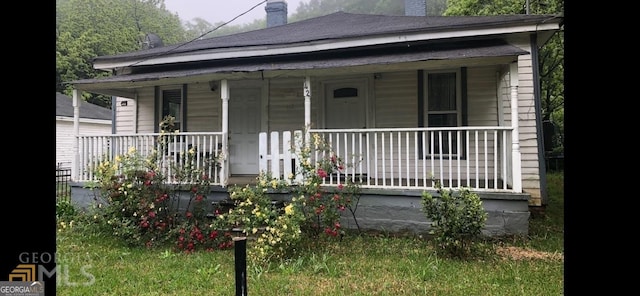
240 252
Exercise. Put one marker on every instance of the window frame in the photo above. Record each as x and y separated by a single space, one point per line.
460 95
162 101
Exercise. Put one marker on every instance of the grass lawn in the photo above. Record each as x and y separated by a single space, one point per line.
90 264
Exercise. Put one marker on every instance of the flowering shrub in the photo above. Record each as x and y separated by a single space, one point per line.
323 208
312 211
139 206
276 230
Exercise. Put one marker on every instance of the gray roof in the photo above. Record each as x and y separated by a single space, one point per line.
338 25
64 107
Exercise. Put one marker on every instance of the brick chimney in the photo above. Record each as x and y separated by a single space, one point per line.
415 7
276 13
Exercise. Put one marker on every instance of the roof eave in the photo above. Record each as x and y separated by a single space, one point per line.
322 45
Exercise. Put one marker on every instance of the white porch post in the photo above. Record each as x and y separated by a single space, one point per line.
75 170
515 136
224 95
307 107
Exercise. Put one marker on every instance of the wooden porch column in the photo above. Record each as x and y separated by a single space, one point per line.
224 95
307 107
75 171
515 135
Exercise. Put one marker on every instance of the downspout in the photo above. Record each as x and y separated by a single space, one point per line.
224 168
76 132
542 165
516 158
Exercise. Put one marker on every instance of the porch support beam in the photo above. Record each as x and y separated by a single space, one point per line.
515 135
76 132
224 95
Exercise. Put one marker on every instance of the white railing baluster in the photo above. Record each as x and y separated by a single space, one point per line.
384 160
375 152
391 160
486 162
477 162
458 153
495 160
275 152
468 157
450 150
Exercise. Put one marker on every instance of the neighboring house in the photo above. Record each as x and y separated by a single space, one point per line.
92 120
407 100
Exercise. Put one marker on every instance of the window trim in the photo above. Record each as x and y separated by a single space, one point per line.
461 110
160 102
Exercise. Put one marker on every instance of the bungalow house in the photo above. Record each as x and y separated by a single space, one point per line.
408 100
92 120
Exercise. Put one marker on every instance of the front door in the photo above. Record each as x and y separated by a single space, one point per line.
244 126
345 108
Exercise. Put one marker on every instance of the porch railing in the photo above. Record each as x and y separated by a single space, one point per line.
474 157
172 152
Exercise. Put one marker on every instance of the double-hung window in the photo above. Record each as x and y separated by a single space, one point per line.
443 109
172 105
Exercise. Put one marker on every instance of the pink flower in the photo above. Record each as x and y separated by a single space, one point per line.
322 173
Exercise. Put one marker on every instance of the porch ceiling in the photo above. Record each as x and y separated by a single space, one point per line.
380 58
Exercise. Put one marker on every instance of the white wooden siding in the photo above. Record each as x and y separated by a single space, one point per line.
528 132
203 108
65 138
395 99
482 96
126 115
286 104
146 110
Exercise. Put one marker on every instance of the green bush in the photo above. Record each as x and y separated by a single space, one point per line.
457 220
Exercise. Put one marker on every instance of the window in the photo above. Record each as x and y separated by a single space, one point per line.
172 105
345 92
443 109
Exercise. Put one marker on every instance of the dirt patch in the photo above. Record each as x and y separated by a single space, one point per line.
517 253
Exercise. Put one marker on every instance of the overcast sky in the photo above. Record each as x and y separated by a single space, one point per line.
214 11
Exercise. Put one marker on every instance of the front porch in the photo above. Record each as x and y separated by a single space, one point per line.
391 166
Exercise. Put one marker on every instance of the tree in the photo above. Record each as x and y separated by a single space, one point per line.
551 55
86 29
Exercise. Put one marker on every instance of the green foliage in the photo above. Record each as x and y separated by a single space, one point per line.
276 230
551 54
66 214
457 220
86 29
